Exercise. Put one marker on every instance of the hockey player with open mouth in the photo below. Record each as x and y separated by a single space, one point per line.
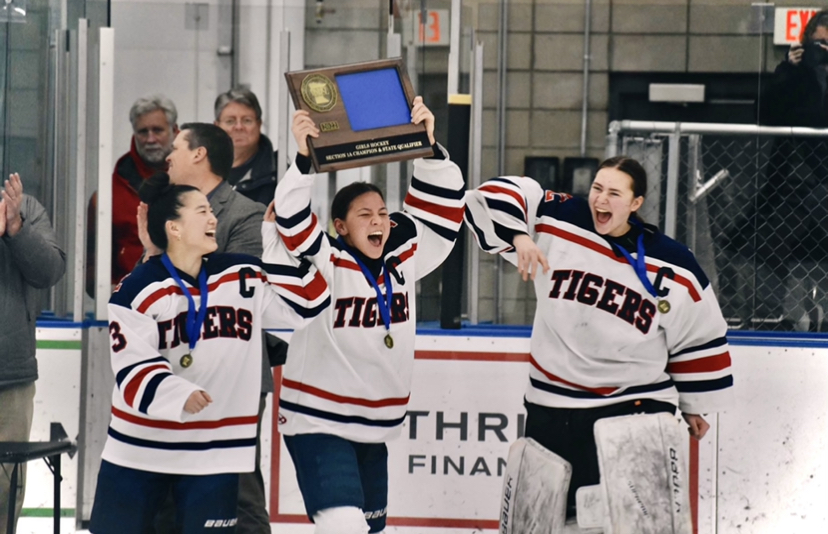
347 379
186 331
626 323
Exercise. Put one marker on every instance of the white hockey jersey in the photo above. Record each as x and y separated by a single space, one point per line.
599 337
340 378
149 429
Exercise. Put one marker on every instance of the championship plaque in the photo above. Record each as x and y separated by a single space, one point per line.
363 112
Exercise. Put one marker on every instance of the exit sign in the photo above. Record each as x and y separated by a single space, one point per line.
789 22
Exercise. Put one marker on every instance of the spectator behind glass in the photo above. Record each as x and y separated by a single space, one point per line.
254 162
786 231
796 93
154 128
30 259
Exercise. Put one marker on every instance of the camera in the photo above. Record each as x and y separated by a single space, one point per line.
813 54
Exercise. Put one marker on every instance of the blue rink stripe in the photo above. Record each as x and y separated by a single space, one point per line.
183 445
339 418
578 394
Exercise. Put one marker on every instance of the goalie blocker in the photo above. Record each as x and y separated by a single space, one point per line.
644 485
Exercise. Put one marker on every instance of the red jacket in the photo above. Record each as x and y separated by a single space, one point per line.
130 171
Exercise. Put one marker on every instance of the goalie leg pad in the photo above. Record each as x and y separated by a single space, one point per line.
535 487
644 474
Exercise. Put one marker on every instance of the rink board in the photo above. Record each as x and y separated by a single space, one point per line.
770 473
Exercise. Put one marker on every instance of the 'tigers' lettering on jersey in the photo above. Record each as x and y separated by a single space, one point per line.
221 321
605 294
363 312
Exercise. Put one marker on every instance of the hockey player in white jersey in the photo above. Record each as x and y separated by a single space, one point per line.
185 331
347 379
626 321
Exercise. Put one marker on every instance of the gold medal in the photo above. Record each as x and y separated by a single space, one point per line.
389 341
186 360
663 306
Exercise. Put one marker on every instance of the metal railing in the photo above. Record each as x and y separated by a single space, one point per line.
752 203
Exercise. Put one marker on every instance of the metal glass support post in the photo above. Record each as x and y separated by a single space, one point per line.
502 42
393 174
694 175
587 57
670 208
454 49
78 272
103 239
612 140
474 179
284 115
59 184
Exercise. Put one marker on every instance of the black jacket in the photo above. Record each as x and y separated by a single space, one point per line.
256 179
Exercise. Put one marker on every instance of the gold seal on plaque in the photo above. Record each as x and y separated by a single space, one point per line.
319 93
663 306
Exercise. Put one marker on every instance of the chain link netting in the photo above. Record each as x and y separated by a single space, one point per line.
754 209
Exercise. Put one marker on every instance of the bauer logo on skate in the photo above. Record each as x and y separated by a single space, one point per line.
220 523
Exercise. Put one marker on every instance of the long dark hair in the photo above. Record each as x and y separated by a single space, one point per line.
345 197
819 19
164 200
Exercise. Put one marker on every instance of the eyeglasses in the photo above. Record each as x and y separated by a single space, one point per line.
247 122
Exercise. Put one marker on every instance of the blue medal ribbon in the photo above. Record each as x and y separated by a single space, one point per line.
194 321
384 304
638 264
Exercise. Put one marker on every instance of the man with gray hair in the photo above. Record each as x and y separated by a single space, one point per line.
154 127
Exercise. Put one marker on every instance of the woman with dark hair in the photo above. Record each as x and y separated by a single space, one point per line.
185 331
626 321
347 379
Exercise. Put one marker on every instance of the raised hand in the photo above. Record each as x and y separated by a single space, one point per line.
302 127
795 54
13 197
420 113
143 233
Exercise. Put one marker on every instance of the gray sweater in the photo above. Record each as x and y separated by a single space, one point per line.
29 261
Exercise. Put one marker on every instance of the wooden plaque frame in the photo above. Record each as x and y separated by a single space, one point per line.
338 146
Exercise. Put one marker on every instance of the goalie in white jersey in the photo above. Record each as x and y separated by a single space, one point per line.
626 321
186 352
347 379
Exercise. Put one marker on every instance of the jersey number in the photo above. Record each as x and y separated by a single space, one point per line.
119 342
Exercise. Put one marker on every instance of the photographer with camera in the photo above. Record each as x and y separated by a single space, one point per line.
786 232
796 94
